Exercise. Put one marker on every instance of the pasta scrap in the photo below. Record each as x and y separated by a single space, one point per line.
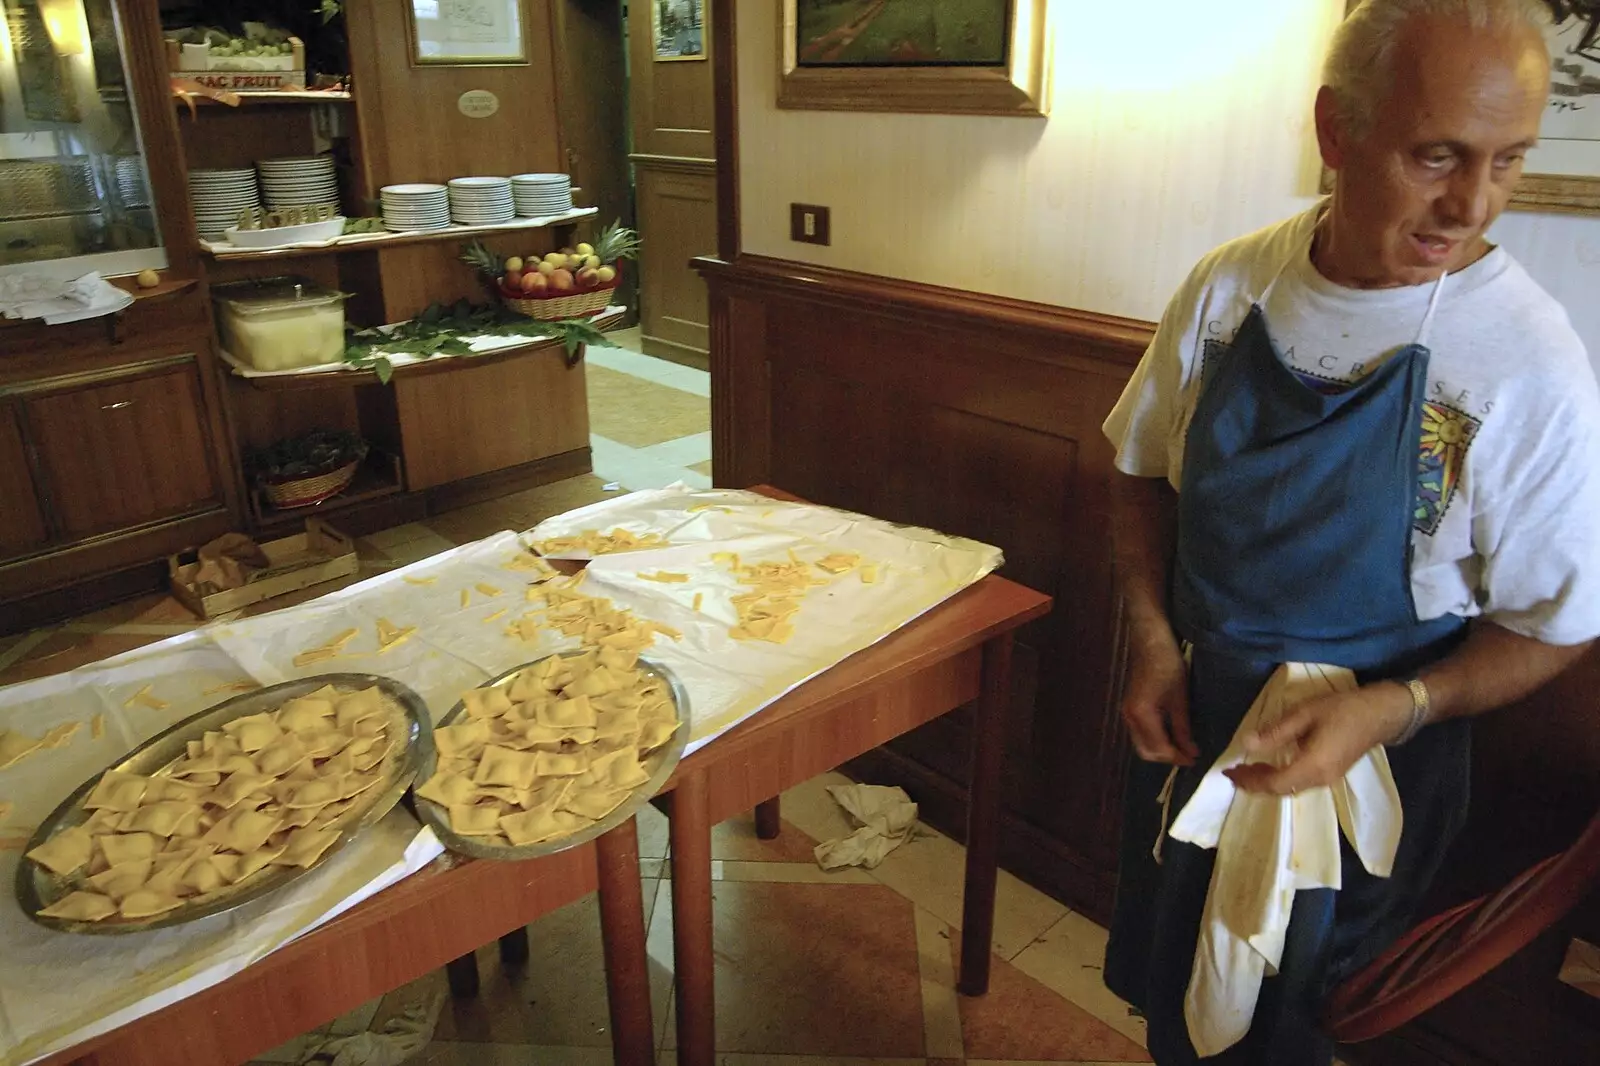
593 542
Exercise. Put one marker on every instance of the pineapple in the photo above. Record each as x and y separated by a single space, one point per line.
485 262
616 242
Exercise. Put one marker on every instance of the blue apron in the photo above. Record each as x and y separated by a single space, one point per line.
1294 544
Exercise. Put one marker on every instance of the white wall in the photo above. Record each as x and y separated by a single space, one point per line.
1175 126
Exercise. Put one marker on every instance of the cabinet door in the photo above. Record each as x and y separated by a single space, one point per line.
121 452
21 523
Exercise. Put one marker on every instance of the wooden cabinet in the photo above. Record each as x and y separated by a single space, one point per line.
21 521
122 449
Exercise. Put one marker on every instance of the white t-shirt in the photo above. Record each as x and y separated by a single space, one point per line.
1508 517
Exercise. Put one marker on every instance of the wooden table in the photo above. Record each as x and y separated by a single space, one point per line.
409 929
956 653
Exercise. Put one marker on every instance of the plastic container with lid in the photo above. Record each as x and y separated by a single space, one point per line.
281 323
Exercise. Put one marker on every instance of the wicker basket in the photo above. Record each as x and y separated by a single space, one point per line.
303 492
572 305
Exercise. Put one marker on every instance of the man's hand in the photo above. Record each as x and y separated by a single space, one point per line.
1323 738
1156 704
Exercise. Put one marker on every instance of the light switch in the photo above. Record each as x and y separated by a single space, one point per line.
808 224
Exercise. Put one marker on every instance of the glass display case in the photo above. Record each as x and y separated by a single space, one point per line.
74 192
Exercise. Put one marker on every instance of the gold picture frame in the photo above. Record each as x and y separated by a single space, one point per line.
1562 193
468 33
1020 87
688 39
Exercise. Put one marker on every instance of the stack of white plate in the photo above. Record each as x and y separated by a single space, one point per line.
541 195
415 206
481 201
219 197
299 181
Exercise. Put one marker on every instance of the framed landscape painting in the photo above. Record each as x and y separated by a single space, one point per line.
1563 172
941 56
679 29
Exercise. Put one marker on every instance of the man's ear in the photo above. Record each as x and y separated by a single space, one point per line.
1332 139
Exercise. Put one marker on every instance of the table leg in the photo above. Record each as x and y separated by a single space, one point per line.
983 816
514 947
769 819
462 974
622 935
691 923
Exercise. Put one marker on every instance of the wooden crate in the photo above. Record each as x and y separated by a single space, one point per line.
319 554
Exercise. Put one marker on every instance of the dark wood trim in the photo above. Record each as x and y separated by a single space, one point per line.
1107 337
725 122
497 483
673 164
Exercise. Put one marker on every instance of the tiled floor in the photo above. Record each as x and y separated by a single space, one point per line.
813 967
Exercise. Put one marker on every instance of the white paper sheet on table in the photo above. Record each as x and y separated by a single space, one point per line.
51 996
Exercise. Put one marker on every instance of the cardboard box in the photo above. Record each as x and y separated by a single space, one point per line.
239 73
319 554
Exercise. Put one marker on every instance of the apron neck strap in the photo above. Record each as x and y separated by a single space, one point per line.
1427 319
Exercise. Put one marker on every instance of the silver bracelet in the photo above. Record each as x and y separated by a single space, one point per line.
1421 705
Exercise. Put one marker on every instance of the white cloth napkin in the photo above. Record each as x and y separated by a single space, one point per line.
58 302
1269 847
887 819
400 1041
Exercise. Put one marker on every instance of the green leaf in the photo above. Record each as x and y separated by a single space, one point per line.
383 368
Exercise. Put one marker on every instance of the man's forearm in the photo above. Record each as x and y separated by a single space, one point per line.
1143 513
1492 668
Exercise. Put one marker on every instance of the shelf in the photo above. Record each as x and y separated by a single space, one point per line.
276 98
370 242
378 477
167 287
439 364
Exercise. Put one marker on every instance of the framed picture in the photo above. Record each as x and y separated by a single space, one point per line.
464 32
987 57
1563 172
679 29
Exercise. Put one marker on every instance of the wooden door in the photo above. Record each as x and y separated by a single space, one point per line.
22 523
122 450
675 167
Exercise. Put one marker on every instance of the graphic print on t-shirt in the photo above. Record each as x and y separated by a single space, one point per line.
1446 435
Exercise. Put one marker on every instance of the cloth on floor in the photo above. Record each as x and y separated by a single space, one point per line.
400 1040
56 301
1268 847
886 816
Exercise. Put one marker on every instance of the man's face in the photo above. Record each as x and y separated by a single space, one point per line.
1415 195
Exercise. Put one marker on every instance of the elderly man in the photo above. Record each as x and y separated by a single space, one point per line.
1384 439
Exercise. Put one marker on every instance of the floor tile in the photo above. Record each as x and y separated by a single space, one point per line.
156 608
464 525
633 469
736 839
531 506
638 413
941 1008
702 468
19 646
695 448
629 339
397 535
661 371
840 959
789 873
454 1053
1022 1019
64 651
1069 960
653 832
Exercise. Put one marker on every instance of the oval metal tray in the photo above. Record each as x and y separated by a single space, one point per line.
660 763
38 888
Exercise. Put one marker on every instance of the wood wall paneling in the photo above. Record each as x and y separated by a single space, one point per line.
21 522
980 415
412 129
474 421
120 453
677 221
